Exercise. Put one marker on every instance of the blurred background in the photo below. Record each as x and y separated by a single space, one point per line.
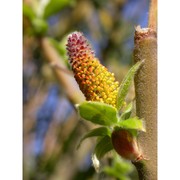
51 127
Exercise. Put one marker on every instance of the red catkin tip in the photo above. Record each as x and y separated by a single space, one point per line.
78 47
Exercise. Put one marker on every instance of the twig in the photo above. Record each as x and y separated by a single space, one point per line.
153 15
63 75
54 65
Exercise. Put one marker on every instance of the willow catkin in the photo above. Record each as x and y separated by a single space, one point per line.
95 81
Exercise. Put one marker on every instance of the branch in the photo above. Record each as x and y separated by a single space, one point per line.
54 65
153 15
63 75
146 99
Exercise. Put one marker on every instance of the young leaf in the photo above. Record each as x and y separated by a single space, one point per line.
127 112
55 6
98 113
119 169
40 26
28 12
122 165
101 131
124 87
133 123
114 173
103 146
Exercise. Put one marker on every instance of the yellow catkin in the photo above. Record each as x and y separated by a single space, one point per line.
95 81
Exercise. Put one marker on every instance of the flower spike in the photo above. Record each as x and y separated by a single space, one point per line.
95 81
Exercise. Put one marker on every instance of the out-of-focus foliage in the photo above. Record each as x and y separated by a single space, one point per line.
54 6
100 131
51 127
118 169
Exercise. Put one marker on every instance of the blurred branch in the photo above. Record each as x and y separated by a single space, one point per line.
66 79
54 162
61 68
61 72
153 15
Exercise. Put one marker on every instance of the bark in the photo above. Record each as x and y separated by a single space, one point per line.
153 15
146 99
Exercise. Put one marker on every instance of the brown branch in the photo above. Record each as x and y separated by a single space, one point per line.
68 83
54 65
146 93
63 75
153 15
146 99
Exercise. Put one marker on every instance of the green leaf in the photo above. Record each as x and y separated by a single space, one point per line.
28 12
40 26
133 123
125 85
119 169
98 113
101 131
122 166
114 173
127 112
55 6
103 146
